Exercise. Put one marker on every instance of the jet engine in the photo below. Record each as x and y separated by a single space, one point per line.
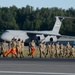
53 38
40 37
50 39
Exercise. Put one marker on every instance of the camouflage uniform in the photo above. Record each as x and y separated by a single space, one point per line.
53 50
61 50
65 52
13 49
3 47
73 52
10 45
49 50
29 49
32 48
22 49
19 48
69 53
41 49
58 49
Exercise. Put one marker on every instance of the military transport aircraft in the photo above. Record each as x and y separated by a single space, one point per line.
38 36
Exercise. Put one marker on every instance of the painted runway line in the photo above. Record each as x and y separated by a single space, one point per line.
47 73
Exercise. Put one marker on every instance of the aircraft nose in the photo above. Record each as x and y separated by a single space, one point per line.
6 36
1 39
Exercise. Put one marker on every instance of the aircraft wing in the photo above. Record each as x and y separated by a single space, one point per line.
48 33
67 36
42 33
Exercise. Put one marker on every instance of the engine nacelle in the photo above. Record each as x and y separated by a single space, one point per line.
50 39
40 37
53 38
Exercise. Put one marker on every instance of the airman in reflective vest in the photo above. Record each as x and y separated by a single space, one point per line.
13 49
33 48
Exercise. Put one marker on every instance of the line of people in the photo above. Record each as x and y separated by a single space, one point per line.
52 50
16 49
57 50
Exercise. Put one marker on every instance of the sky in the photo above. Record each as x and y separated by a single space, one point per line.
64 4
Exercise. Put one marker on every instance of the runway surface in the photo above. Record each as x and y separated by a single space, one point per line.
37 66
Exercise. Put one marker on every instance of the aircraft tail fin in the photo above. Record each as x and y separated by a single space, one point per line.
57 24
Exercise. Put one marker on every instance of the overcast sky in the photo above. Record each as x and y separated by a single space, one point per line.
64 4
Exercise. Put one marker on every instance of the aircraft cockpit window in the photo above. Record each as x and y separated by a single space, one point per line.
6 31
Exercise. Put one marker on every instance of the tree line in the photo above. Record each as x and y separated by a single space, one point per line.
28 18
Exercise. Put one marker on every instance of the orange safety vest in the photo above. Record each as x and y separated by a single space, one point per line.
32 50
6 52
13 51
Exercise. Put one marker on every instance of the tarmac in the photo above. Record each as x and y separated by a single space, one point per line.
37 66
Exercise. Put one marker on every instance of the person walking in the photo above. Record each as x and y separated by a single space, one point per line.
49 52
33 48
3 48
22 48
